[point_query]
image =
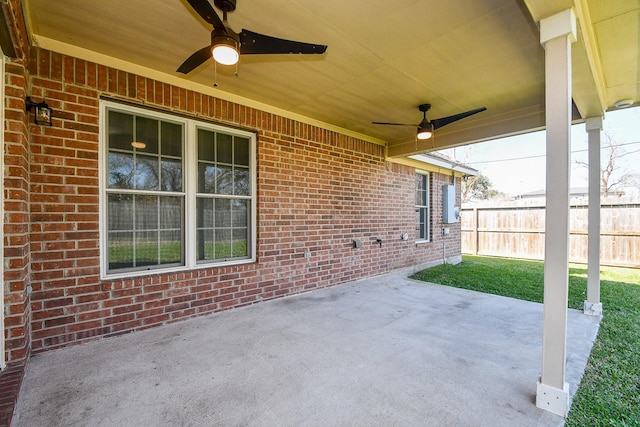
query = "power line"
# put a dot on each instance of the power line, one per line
(544, 155)
(506, 160)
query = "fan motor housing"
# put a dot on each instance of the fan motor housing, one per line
(225, 5)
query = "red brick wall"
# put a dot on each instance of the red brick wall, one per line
(317, 190)
(16, 215)
(16, 194)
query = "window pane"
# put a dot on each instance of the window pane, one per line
(423, 223)
(120, 131)
(241, 151)
(147, 132)
(120, 170)
(171, 175)
(171, 139)
(224, 180)
(420, 190)
(170, 247)
(239, 218)
(146, 208)
(145, 244)
(204, 245)
(170, 213)
(241, 182)
(239, 244)
(205, 213)
(205, 234)
(120, 215)
(224, 144)
(207, 178)
(146, 248)
(222, 248)
(120, 250)
(223, 213)
(206, 146)
(147, 173)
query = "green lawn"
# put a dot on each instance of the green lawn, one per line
(151, 253)
(609, 394)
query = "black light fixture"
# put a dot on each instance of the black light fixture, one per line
(425, 130)
(41, 111)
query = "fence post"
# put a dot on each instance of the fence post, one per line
(476, 240)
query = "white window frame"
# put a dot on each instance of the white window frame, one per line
(190, 168)
(427, 178)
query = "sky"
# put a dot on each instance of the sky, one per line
(516, 165)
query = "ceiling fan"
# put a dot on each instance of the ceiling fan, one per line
(227, 45)
(426, 127)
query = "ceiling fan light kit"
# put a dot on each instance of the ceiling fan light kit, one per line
(424, 132)
(227, 45)
(225, 50)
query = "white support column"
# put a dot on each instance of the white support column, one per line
(557, 32)
(593, 306)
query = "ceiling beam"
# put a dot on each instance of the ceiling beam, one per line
(588, 47)
(588, 82)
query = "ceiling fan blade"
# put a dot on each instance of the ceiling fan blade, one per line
(392, 124)
(254, 43)
(195, 60)
(207, 12)
(443, 121)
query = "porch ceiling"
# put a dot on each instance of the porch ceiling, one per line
(384, 58)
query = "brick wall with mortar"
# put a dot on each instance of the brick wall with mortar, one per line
(317, 190)
(16, 215)
(16, 181)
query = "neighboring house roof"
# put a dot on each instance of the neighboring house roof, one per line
(442, 161)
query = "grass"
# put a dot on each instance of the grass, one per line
(609, 394)
(171, 252)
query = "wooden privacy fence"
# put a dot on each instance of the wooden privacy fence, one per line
(518, 232)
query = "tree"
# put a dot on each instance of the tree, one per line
(613, 177)
(477, 187)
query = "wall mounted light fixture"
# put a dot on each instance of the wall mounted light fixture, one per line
(41, 111)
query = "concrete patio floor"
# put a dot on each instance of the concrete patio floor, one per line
(386, 351)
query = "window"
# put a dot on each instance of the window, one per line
(223, 201)
(422, 207)
(177, 193)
